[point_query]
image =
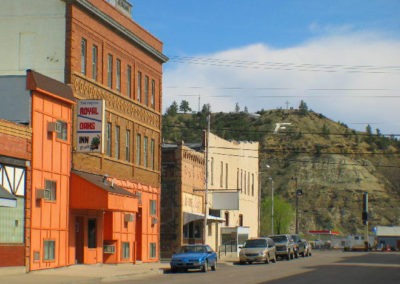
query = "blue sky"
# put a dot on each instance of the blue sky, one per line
(342, 57)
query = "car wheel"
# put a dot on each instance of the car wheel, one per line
(205, 266)
(174, 270)
(250, 262)
(242, 262)
(214, 267)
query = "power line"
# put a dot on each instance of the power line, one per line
(287, 132)
(285, 66)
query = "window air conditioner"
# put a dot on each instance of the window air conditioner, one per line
(154, 220)
(54, 127)
(109, 249)
(42, 194)
(128, 217)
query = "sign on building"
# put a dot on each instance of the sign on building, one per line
(90, 126)
(225, 200)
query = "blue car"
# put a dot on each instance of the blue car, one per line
(194, 257)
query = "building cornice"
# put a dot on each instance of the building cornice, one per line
(121, 29)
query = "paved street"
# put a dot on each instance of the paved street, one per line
(323, 267)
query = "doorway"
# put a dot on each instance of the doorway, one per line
(79, 239)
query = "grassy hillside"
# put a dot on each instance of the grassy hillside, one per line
(330, 162)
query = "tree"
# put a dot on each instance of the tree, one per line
(237, 107)
(206, 109)
(369, 130)
(303, 107)
(325, 131)
(173, 109)
(184, 107)
(283, 216)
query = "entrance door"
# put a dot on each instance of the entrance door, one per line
(139, 235)
(79, 239)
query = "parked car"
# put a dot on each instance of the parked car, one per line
(258, 250)
(194, 257)
(308, 248)
(284, 246)
(299, 246)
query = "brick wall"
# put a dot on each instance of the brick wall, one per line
(12, 255)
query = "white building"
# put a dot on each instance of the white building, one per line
(233, 184)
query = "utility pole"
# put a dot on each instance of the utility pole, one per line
(272, 205)
(206, 142)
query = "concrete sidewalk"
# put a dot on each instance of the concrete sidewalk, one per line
(95, 273)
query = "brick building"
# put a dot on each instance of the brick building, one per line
(115, 65)
(183, 183)
(15, 157)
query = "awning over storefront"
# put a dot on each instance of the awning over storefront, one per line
(190, 217)
(91, 191)
(7, 199)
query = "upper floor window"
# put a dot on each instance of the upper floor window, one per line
(109, 71)
(153, 207)
(153, 93)
(83, 56)
(221, 176)
(212, 171)
(226, 175)
(252, 184)
(117, 142)
(95, 56)
(62, 130)
(108, 139)
(139, 86)
(146, 90)
(146, 151)
(129, 81)
(51, 189)
(152, 154)
(128, 146)
(118, 75)
(138, 148)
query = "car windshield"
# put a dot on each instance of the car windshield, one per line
(190, 249)
(279, 239)
(255, 243)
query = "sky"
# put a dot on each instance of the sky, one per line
(341, 57)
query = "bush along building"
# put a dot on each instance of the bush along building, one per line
(111, 163)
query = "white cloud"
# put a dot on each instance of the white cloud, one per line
(348, 78)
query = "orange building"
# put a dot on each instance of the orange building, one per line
(40, 186)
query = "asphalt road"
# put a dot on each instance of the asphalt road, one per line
(323, 267)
